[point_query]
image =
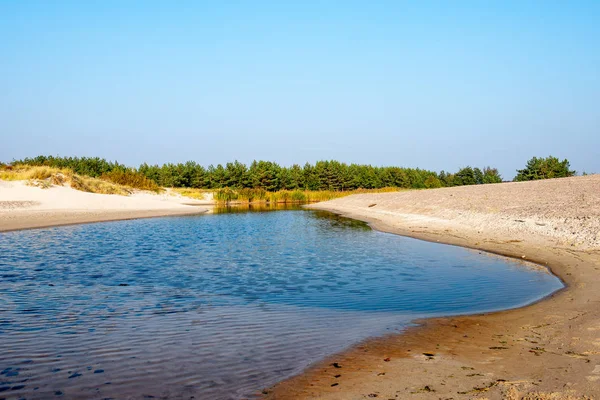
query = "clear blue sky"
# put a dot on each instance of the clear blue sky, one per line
(431, 84)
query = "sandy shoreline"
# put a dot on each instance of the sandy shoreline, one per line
(26, 207)
(46, 219)
(551, 347)
(548, 350)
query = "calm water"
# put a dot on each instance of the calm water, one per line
(220, 306)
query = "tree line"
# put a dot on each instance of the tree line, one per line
(270, 176)
(323, 175)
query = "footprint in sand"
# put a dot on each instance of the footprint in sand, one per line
(596, 376)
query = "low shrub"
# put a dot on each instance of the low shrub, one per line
(130, 178)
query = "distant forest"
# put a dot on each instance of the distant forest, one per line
(266, 175)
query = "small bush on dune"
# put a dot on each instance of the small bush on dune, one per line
(130, 178)
(60, 179)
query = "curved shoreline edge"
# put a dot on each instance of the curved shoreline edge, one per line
(373, 225)
(549, 349)
(47, 219)
(546, 350)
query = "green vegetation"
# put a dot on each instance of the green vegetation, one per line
(268, 176)
(96, 185)
(262, 181)
(227, 195)
(86, 166)
(471, 176)
(45, 177)
(130, 178)
(544, 168)
(93, 167)
(26, 172)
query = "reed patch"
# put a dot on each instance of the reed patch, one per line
(229, 195)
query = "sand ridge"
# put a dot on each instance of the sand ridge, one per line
(548, 350)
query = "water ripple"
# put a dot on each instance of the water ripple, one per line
(220, 306)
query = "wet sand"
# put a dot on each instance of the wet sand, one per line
(548, 350)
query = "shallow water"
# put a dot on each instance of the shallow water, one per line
(220, 306)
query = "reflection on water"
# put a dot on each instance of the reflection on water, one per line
(220, 306)
(255, 207)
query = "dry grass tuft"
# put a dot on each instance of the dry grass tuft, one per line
(24, 172)
(95, 185)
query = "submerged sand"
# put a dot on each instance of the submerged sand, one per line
(548, 350)
(26, 207)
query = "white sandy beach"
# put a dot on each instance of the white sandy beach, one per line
(23, 206)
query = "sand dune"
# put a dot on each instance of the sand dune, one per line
(23, 207)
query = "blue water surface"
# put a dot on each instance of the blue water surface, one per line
(219, 306)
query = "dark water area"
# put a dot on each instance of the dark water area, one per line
(220, 306)
(256, 207)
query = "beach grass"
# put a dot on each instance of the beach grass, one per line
(24, 172)
(45, 177)
(96, 185)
